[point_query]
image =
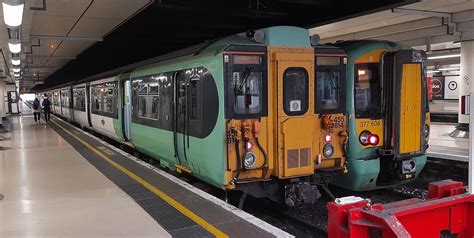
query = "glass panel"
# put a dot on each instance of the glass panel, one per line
(327, 89)
(367, 90)
(247, 59)
(65, 99)
(247, 86)
(295, 91)
(149, 100)
(328, 60)
(79, 99)
(109, 100)
(194, 98)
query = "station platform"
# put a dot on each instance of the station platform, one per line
(442, 146)
(444, 111)
(59, 181)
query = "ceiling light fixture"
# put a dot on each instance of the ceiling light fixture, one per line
(444, 56)
(432, 71)
(13, 12)
(16, 70)
(16, 74)
(15, 47)
(16, 61)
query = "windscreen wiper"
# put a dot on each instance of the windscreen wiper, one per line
(243, 78)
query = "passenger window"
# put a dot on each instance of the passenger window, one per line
(295, 91)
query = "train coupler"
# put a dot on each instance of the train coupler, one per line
(301, 193)
(449, 210)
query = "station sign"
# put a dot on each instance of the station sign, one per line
(451, 87)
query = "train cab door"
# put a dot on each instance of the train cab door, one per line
(295, 113)
(404, 87)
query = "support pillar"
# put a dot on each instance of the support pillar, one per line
(467, 73)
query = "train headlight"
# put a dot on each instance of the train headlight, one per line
(367, 138)
(328, 150)
(328, 138)
(250, 159)
(364, 137)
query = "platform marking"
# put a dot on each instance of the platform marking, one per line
(226, 206)
(178, 206)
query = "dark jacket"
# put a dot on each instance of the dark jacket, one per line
(46, 104)
(36, 104)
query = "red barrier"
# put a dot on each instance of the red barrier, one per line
(449, 210)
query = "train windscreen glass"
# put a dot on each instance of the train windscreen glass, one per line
(248, 91)
(247, 84)
(367, 91)
(329, 80)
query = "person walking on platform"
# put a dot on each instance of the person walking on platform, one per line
(46, 108)
(37, 111)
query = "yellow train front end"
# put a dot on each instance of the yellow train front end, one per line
(299, 145)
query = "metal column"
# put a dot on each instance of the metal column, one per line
(467, 73)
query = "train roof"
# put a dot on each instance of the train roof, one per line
(277, 35)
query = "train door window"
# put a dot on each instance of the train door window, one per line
(56, 99)
(149, 100)
(329, 84)
(295, 91)
(367, 91)
(195, 93)
(65, 99)
(109, 99)
(97, 99)
(79, 99)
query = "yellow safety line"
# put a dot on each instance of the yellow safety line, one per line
(191, 215)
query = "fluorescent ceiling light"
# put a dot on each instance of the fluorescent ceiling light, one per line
(16, 70)
(432, 71)
(16, 74)
(13, 14)
(444, 56)
(15, 48)
(16, 61)
(448, 69)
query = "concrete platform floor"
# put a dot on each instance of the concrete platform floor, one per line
(50, 190)
(445, 147)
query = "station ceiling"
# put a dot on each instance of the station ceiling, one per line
(432, 25)
(80, 38)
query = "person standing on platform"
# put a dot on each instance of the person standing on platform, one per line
(37, 111)
(46, 108)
